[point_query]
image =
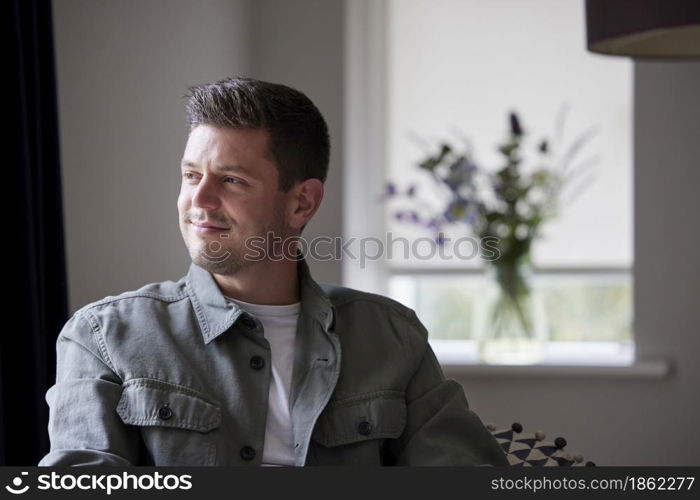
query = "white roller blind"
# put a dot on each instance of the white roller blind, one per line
(462, 65)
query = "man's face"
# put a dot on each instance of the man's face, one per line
(228, 181)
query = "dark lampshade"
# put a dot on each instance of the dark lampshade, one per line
(644, 28)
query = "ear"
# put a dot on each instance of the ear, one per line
(304, 199)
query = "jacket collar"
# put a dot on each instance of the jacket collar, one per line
(216, 314)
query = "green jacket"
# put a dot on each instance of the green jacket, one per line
(163, 376)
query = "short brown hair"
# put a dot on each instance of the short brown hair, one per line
(299, 140)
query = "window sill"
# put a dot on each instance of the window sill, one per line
(561, 359)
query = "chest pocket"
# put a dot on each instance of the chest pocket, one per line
(361, 418)
(177, 423)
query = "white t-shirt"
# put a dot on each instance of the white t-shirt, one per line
(280, 324)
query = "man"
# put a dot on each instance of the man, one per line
(246, 360)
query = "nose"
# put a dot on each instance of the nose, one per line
(205, 194)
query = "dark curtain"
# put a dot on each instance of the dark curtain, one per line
(36, 292)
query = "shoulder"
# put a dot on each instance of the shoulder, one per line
(149, 297)
(372, 310)
(121, 326)
(344, 297)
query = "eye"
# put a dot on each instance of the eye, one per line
(231, 180)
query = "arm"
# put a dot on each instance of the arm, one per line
(441, 429)
(84, 427)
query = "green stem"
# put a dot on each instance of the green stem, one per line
(515, 293)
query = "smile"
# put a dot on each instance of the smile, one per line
(206, 229)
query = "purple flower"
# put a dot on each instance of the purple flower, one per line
(432, 224)
(411, 190)
(460, 174)
(515, 127)
(389, 189)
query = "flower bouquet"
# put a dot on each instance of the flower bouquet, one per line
(507, 206)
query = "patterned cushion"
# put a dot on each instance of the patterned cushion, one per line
(531, 450)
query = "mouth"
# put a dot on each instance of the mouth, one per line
(208, 226)
(202, 228)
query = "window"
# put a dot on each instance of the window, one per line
(441, 69)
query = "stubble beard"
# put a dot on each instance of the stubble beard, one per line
(218, 257)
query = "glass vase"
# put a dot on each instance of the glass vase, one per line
(514, 329)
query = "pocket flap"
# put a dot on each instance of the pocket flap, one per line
(153, 402)
(360, 418)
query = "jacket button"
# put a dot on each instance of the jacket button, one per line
(247, 322)
(164, 412)
(257, 362)
(364, 428)
(247, 453)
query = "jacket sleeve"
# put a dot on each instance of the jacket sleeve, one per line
(441, 429)
(84, 427)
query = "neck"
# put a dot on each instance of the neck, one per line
(268, 283)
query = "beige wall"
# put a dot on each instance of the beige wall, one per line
(123, 67)
(300, 43)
